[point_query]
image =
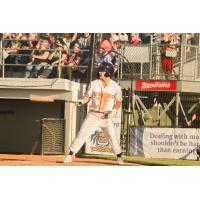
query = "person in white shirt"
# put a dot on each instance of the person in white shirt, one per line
(105, 96)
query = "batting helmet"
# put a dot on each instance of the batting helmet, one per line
(106, 67)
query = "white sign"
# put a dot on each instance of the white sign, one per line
(99, 142)
(176, 143)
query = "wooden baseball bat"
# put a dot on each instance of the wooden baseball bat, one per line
(35, 98)
(47, 99)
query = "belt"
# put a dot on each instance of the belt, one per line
(104, 115)
(95, 111)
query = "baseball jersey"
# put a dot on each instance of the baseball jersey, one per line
(103, 98)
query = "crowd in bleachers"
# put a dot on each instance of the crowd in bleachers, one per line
(45, 55)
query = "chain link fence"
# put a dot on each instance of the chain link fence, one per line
(160, 62)
(162, 109)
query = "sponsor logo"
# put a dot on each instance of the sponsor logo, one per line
(156, 85)
(100, 139)
(102, 149)
(100, 142)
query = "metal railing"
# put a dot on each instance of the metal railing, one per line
(142, 61)
(146, 62)
(14, 64)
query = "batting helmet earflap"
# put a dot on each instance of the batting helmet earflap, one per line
(106, 67)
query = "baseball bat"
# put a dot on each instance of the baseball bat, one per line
(35, 98)
(47, 99)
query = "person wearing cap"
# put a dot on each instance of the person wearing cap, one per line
(105, 97)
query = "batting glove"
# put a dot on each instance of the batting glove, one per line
(79, 102)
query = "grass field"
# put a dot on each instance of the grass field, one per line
(148, 161)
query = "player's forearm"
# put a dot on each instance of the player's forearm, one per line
(85, 99)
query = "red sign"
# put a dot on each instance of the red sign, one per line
(155, 85)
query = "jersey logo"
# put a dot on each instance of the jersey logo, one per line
(104, 98)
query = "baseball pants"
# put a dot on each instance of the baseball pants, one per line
(89, 126)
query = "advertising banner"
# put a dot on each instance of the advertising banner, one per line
(175, 143)
(99, 142)
(155, 85)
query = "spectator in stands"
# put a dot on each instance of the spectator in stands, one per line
(68, 40)
(176, 39)
(123, 37)
(98, 39)
(192, 39)
(50, 39)
(114, 37)
(33, 36)
(195, 39)
(39, 60)
(84, 44)
(117, 45)
(12, 46)
(55, 59)
(33, 40)
(106, 43)
(106, 54)
(134, 39)
(6, 39)
(145, 38)
(11, 50)
(84, 41)
(157, 37)
(58, 40)
(72, 61)
(23, 52)
(104, 48)
(167, 60)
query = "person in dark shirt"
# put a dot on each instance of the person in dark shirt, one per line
(84, 45)
(39, 60)
(72, 61)
(55, 59)
(23, 51)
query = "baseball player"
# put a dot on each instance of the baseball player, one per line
(105, 96)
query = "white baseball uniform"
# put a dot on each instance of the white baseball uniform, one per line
(102, 99)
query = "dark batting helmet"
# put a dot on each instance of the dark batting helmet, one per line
(106, 67)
